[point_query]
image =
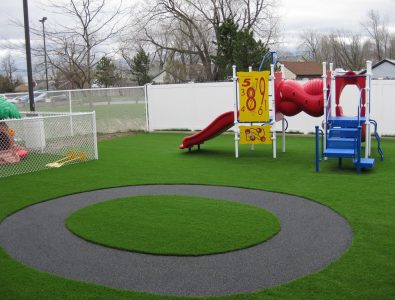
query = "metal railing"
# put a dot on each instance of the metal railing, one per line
(38, 140)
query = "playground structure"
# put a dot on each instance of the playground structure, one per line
(264, 98)
(258, 108)
(255, 105)
(342, 136)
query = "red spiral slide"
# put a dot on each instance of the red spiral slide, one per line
(291, 99)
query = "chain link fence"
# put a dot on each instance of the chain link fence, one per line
(117, 109)
(46, 140)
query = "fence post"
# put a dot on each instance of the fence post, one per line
(71, 115)
(95, 134)
(146, 108)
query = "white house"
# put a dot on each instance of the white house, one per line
(301, 70)
(384, 69)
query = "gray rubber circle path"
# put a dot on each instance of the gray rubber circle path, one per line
(311, 237)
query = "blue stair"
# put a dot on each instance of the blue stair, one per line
(353, 122)
(339, 142)
(343, 132)
(342, 152)
(366, 163)
(344, 141)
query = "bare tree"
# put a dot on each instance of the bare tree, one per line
(345, 49)
(392, 47)
(378, 32)
(311, 42)
(191, 26)
(348, 50)
(73, 47)
(70, 60)
(8, 67)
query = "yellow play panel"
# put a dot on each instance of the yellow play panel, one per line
(254, 135)
(254, 96)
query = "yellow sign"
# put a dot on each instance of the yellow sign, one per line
(255, 134)
(254, 96)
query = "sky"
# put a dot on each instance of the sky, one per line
(330, 15)
(296, 16)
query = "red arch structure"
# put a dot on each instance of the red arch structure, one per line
(350, 78)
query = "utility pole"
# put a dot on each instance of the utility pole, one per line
(28, 55)
(45, 51)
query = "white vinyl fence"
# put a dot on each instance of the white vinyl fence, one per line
(193, 106)
(190, 106)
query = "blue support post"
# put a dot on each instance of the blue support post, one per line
(317, 150)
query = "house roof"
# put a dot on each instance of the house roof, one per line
(303, 68)
(391, 61)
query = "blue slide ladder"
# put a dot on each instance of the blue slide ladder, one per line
(344, 139)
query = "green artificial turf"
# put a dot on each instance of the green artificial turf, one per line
(365, 271)
(173, 225)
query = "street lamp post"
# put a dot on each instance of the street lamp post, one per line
(45, 51)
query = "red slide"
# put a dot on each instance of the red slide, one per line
(216, 127)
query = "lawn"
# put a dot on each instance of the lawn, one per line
(176, 225)
(366, 271)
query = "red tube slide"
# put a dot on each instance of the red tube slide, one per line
(293, 97)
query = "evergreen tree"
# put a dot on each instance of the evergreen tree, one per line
(247, 51)
(140, 66)
(227, 33)
(106, 72)
(236, 47)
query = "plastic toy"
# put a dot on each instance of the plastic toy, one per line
(71, 156)
(10, 152)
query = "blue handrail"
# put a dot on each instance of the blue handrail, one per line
(360, 105)
(273, 59)
(377, 136)
(318, 157)
(317, 150)
(328, 115)
(328, 108)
